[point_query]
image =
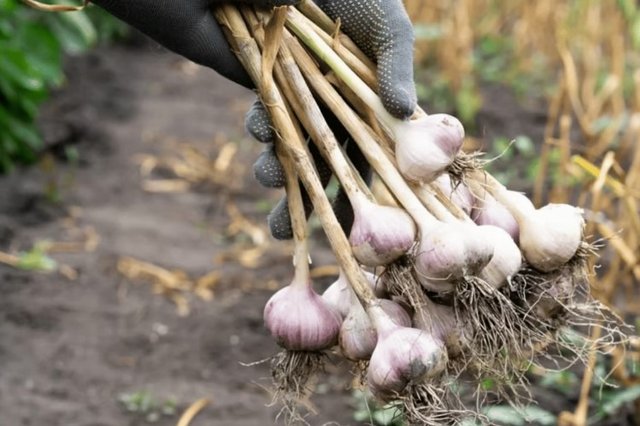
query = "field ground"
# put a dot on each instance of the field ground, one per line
(70, 348)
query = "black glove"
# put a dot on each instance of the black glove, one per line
(188, 28)
(382, 29)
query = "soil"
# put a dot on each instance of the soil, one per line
(70, 348)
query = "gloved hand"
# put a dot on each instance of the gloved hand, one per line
(188, 28)
(383, 30)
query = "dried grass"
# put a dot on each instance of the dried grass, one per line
(593, 127)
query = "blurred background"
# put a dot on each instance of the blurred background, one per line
(134, 256)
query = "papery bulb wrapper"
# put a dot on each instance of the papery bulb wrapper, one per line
(358, 336)
(404, 355)
(380, 234)
(458, 194)
(340, 295)
(490, 212)
(506, 260)
(551, 236)
(299, 319)
(441, 322)
(427, 146)
(449, 252)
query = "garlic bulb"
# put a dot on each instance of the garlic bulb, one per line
(358, 337)
(427, 146)
(452, 251)
(440, 321)
(299, 319)
(506, 260)
(380, 234)
(551, 236)
(340, 296)
(402, 356)
(458, 194)
(490, 212)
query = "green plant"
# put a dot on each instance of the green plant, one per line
(36, 259)
(32, 44)
(368, 410)
(144, 404)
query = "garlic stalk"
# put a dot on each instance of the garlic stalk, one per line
(419, 159)
(248, 52)
(380, 234)
(473, 256)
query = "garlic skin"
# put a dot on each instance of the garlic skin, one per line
(441, 286)
(551, 236)
(490, 212)
(427, 146)
(340, 296)
(552, 302)
(380, 234)
(458, 194)
(402, 356)
(507, 259)
(299, 319)
(448, 252)
(358, 337)
(440, 321)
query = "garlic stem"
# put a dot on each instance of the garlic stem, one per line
(433, 204)
(306, 33)
(353, 57)
(482, 181)
(375, 245)
(361, 133)
(295, 90)
(250, 56)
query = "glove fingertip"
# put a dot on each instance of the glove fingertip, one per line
(258, 124)
(279, 221)
(399, 98)
(268, 170)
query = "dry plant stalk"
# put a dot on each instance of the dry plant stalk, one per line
(250, 56)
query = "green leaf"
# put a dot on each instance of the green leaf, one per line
(509, 416)
(37, 260)
(14, 66)
(74, 30)
(43, 52)
(24, 132)
(614, 401)
(387, 416)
